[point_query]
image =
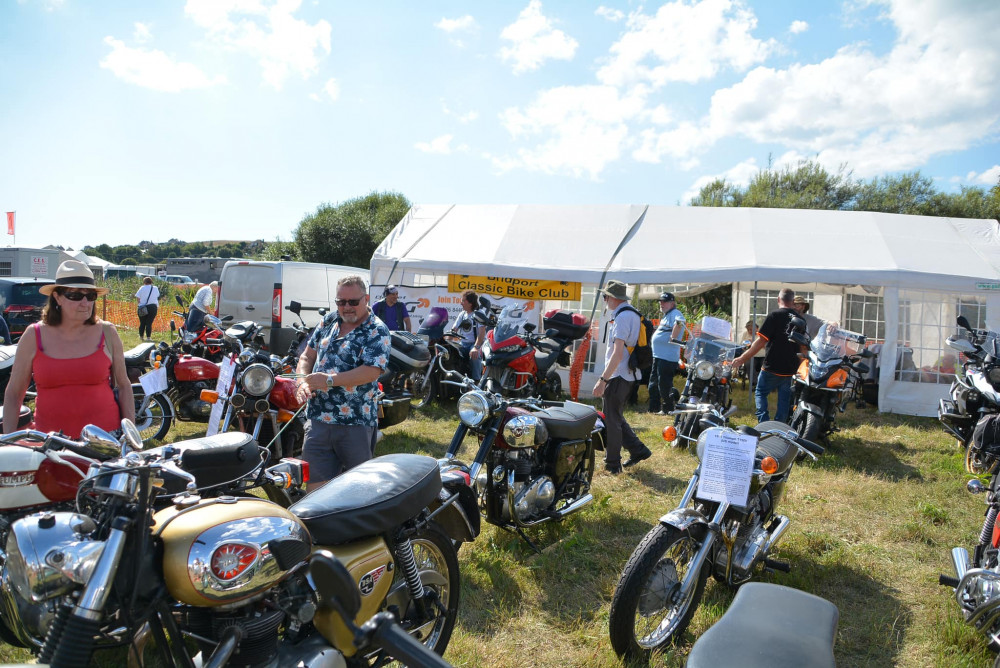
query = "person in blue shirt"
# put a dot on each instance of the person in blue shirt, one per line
(666, 355)
(391, 311)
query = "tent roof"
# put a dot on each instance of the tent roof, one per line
(664, 244)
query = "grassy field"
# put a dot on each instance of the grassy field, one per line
(872, 523)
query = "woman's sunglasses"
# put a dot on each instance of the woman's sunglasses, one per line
(345, 302)
(76, 295)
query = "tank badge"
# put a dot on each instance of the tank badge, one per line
(370, 579)
(17, 479)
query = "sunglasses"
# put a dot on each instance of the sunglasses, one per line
(75, 295)
(345, 302)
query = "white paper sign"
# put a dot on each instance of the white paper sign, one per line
(727, 466)
(39, 265)
(154, 381)
(226, 369)
(716, 327)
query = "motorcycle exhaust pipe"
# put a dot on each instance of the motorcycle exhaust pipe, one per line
(575, 506)
(779, 531)
(960, 560)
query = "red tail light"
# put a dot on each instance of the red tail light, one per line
(276, 308)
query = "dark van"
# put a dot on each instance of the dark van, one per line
(20, 302)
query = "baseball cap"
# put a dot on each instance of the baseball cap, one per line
(667, 297)
(391, 290)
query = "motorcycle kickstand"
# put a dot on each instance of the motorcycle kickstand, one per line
(520, 532)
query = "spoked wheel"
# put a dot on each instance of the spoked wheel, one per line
(437, 564)
(153, 421)
(647, 613)
(423, 387)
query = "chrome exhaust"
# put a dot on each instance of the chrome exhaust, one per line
(575, 506)
(960, 560)
(779, 531)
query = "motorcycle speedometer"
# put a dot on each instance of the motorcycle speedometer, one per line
(704, 370)
(473, 408)
(257, 379)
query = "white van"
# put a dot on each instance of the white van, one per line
(259, 291)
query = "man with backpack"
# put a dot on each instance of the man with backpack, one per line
(617, 378)
(666, 355)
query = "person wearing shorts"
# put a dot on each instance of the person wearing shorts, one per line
(340, 367)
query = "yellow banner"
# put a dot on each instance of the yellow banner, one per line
(516, 288)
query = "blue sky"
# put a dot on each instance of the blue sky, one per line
(231, 119)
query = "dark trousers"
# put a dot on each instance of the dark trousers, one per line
(661, 385)
(620, 434)
(146, 322)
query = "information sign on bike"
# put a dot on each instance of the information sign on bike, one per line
(726, 467)
(226, 369)
(154, 381)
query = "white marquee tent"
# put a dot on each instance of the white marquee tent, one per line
(921, 271)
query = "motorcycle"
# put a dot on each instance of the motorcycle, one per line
(535, 459)
(407, 372)
(770, 625)
(709, 377)
(208, 342)
(974, 393)
(432, 331)
(230, 573)
(520, 363)
(712, 531)
(827, 379)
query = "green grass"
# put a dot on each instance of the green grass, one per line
(872, 524)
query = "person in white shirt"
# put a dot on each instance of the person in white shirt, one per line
(149, 297)
(201, 306)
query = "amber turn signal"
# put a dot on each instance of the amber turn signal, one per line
(769, 465)
(669, 434)
(209, 396)
(285, 416)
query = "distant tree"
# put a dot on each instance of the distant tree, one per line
(102, 251)
(903, 193)
(277, 249)
(806, 186)
(348, 233)
(718, 193)
(128, 261)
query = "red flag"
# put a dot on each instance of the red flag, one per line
(10, 222)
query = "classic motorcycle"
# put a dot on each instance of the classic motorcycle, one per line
(709, 377)
(827, 379)
(407, 372)
(711, 531)
(535, 459)
(208, 342)
(432, 331)
(974, 393)
(520, 363)
(230, 573)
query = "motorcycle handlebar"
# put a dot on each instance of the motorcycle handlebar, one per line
(386, 633)
(53, 441)
(810, 446)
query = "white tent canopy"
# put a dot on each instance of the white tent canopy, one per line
(643, 244)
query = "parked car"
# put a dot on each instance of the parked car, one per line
(258, 291)
(20, 302)
(178, 279)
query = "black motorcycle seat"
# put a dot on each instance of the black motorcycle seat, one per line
(568, 421)
(370, 499)
(213, 460)
(782, 451)
(546, 360)
(770, 626)
(139, 355)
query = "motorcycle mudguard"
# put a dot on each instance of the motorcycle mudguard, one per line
(683, 519)
(807, 407)
(459, 519)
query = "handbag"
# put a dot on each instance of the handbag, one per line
(143, 310)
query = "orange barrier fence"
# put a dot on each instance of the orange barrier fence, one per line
(123, 315)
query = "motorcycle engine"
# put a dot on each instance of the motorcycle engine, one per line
(533, 497)
(194, 407)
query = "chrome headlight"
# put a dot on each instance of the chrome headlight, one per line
(246, 357)
(519, 432)
(257, 379)
(473, 408)
(189, 337)
(48, 553)
(704, 370)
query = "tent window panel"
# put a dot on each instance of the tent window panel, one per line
(866, 314)
(925, 321)
(767, 301)
(426, 280)
(974, 310)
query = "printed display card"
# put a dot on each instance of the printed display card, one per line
(226, 369)
(727, 466)
(154, 381)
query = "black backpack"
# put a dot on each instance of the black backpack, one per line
(640, 356)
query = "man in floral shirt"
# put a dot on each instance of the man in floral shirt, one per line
(341, 364)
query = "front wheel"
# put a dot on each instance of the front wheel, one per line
(153, 421)
(423, 387)
(811, 426)
(647, 613)
(553, 386)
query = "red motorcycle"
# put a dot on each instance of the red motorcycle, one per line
(209, 341)
(520, 363)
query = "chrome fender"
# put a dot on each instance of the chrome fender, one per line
(683, 519)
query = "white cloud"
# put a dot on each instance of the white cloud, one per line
(439, 145)
(685, 42)
(613, 15)
(141, 33)
(798, 27)
(464, 24)
(332, 89)
(467, 117)
(738, 175)
(154, 69)
(268, 31)
(534, 40)
(990, 177)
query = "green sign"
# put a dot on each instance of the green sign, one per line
(987, 286)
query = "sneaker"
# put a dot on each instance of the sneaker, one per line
(662, 413)
(645, 454)
(612, 469)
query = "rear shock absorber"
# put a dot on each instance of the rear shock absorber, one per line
(404, 553)
(986, 535)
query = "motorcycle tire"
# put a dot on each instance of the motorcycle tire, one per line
(685, 429)
(423, 387)
(154, 422)
(642, 620)
(553, 386)
(437, 563)
(811, 427)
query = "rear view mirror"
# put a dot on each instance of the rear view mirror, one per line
(963, 322)
(528, 327)
(799, 338)
(173, 326)
(866, 353)
(294, 307)
(179, 300)
(333, 582)
(323, 311)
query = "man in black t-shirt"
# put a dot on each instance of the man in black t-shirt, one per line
(780, 358)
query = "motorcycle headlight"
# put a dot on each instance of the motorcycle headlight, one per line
(47, 553)
(473, 408)
(257, 379)
(189, 337)
(704, 370)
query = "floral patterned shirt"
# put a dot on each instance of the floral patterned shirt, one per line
(368, 344)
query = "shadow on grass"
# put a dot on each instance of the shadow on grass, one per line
(658, 482)
(866, 456)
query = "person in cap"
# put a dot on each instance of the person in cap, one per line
(75, 360)
(812, 322)
(201, 305)
(615, 381)
(666, 346)
(391, 311)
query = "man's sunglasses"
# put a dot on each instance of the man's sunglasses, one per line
(345, 302)
(75, 295)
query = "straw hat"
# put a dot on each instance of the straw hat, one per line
(73, 274)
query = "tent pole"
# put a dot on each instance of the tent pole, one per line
(753, 380)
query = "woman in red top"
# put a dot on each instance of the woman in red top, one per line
(75, 359)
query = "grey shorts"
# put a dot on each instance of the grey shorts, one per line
(331, 449)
